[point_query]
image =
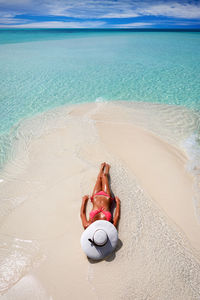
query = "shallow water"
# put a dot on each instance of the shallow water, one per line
(39, 71)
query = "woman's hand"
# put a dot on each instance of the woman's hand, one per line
(117, 200)
(85, 198)
(83, 211)
(84, 202)
(117, 212)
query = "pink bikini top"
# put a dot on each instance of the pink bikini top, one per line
(93, 213)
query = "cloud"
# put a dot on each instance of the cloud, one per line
(122, 9)
(177, 10)
(10, 20)
(134, 25)
(58, 24)
(14, 2)
(124, 15)
(103, 10)
(160, 23)
(187, 23)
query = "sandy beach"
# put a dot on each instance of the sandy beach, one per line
(56, 162)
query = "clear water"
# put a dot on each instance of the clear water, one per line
(45, 69)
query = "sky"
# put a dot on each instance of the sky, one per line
(99, 14)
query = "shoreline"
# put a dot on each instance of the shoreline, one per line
(61, 165)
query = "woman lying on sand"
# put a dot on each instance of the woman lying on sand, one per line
(101, 200)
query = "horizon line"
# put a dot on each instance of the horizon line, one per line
(97, 28)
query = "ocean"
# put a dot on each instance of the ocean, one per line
(43, 69)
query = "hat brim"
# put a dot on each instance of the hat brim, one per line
(95, 252)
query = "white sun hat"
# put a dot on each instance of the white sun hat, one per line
(99, 239)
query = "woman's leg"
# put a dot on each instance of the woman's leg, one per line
(98, 185)
(105, 181)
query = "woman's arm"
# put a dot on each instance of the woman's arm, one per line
(83, 212)
(117, 212)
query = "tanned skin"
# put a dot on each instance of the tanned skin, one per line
(102, 184)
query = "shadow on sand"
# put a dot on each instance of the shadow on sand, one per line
(110, 257)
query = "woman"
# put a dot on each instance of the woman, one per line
(101, 200)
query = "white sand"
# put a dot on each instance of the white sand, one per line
(160, 169)
(159, 258)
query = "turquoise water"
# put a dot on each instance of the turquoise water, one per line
(43, 69)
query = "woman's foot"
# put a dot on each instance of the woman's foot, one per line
(102, 166)
(101, 171)
(106, 169)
